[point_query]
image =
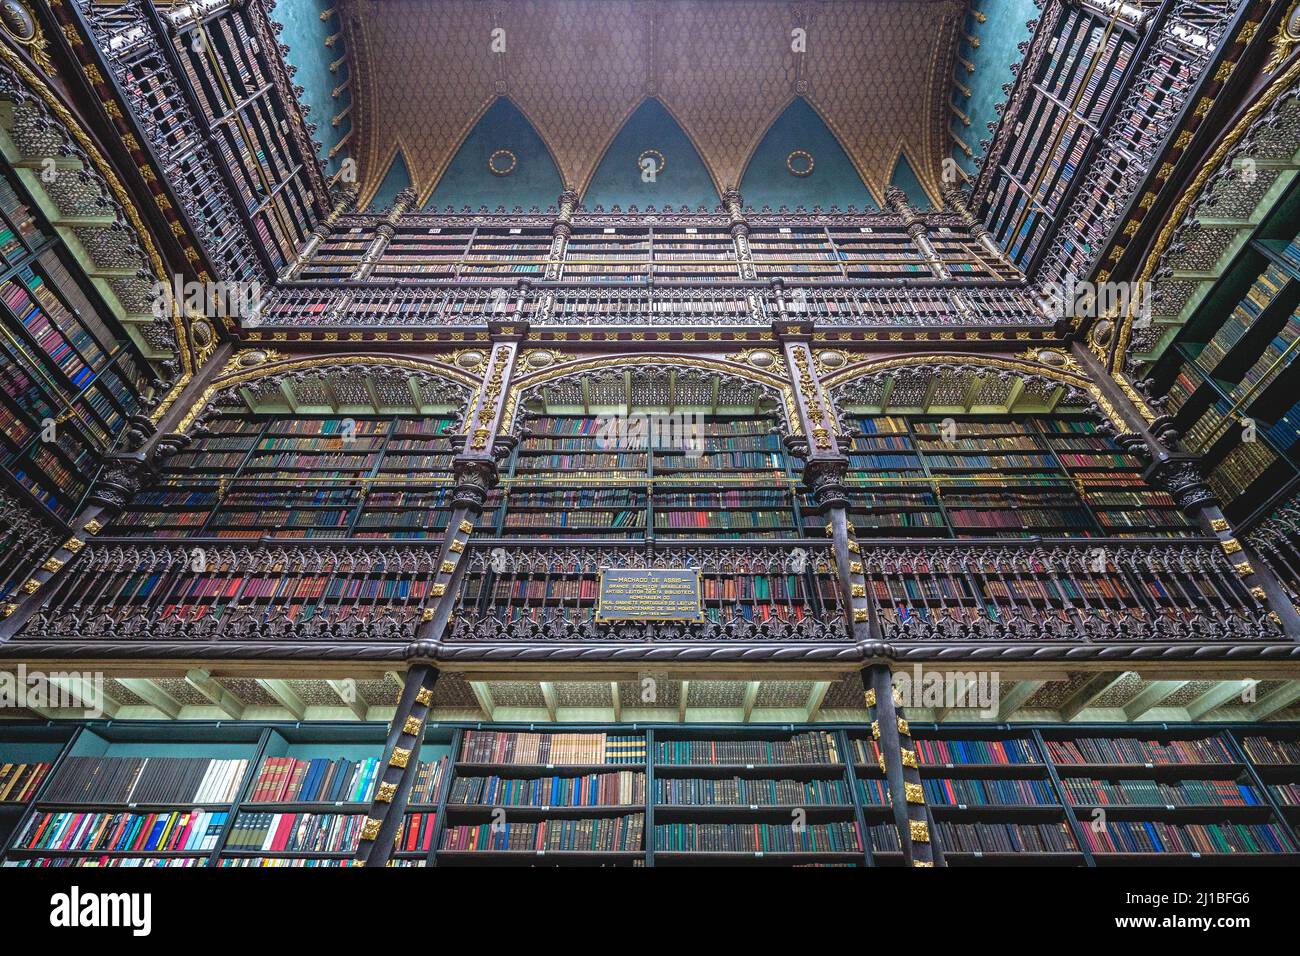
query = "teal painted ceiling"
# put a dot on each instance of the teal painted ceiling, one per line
(534, 181)
(834, 180)
(626, 178)
(305, 34)
(396, 179)
(905, 179)
(1003, 29)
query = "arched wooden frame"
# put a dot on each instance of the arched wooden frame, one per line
(777, 388)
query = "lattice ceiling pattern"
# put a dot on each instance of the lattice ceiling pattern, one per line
(426, 70)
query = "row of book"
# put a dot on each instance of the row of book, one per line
(1181, 793)
(20, 781)
(1271, 750)
(147, 780)
(503, 747)
(1119, 750)
(1118, 836)
(623, 788)
(743, 791)
(288, 780)
(296, 832)
(588, 835)
(980, 837)
(175, 831)
(811, 747)
(795, 837)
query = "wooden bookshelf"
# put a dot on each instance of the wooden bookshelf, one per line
(979, 779)
(68, 378)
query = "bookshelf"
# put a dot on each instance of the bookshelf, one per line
(1069, 96)
(999, 476)
(1230, 378)
(369, 477)
(573, 477)
(68, 379)
(668, 795)
(230, 78)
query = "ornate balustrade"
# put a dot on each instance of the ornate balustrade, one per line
(779, 592)
(1056, 590)
(224, 591)
(919, 304)
(537, 599)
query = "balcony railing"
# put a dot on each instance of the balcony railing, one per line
(758, 592)
(919, 304)
(783, 595)
(1062, 590)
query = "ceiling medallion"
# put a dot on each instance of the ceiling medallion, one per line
(651, 154)
(496, 162)
(800, 163)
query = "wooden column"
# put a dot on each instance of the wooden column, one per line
(898, 760)
(825, 468)
(897, 202)
(734, 204)
(476, 471)
(401, 762)
(386, 229)
(321, 231)
(1179, 473)
(956, 201)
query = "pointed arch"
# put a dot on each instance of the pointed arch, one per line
(765, 179)
(466, 180)
(999, 375)
(437, 381)
(660, 365)
(397, 178)
(616, 178)
(905, 178)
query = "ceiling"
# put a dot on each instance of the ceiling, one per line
(717, 87)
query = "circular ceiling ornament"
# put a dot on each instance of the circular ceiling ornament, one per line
(800, 163)
(502, 162)
(654, 155)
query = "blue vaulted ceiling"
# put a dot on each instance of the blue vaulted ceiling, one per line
(683, 181)
(998, 26)
(305, 33)
(396, 179)
(535, 181)
(833, 182)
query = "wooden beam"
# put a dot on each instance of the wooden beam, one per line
(751, 694)
(681, 700)
(209, 687)
(1280, 699)
(347, 691)
(617, 701)
(1216, 697)
(815, 698)
(153, 695)
(1150, 696)
(1090, 691)
(1017, 697)
(483, 694)
(285, 695)
(548, 695)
